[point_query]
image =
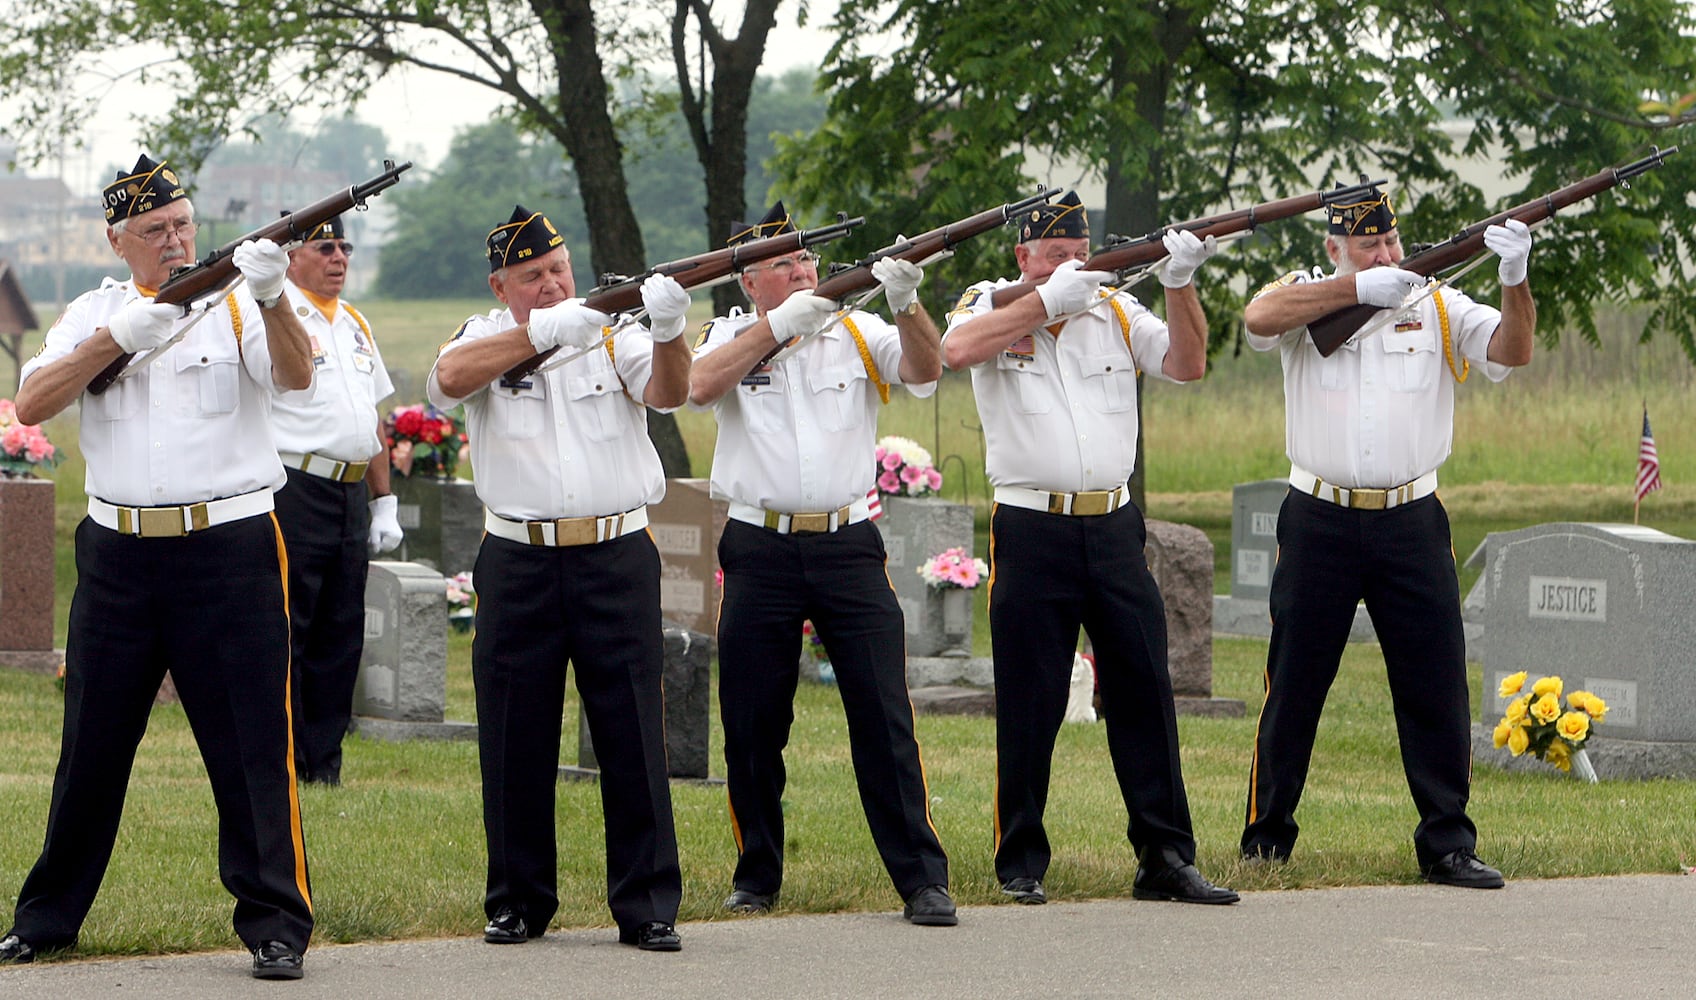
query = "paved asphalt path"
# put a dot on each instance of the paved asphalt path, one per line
(1586, 939)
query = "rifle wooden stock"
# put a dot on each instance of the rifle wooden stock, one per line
(858, 277)
(211, 273)
(1120, 255)
(703, 269)
(1332, 330)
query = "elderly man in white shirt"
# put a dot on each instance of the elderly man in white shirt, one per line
(179, 568)
(1055, 375)
(568, 571)
(1366, 428)
(795, 460)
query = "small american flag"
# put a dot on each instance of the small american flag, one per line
(876, 502)
(1648, 462)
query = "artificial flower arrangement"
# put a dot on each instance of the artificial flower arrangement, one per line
(953, 568)
(424, 440)
(1535, 723)
(904, 468)
(460, 597)
(24, 449)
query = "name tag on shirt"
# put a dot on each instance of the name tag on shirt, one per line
(758, 378)
(523, 383)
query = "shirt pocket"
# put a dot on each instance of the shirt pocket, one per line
(121, 400)
(1026, 376)
(1336, 371)
(1112, 381)
(839, 396)
(212, 385)
(523, 408)
(763, 405)
(598, 401)
(1411, 359)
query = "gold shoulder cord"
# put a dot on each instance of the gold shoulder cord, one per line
(1124, 329)
(351, 311)
(1448, 342)
(235, 319)
(866, 359)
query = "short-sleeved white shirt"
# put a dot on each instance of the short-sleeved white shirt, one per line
(340, 420)
(1059, 413)
(799, 436)
(1379, 412)
(570, 442)
(195, 424)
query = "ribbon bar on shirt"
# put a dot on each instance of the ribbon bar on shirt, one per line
(1361, 497)
(562, 531)
(1086, 503)
(325, 468)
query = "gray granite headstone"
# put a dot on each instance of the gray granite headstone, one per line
(1181, 558)
(442, 522)
(1610, 608)
(688, 722)
(914, 529)
(402, 688)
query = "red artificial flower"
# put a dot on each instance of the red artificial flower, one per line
(409, 422)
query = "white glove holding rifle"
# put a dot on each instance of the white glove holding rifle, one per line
(666, 302)
(1385, 287)
(143, 325)
(264, 265)
(569, 324)
(1070, 289)
(1511, 241)
(900, 280)
(1186, 251)
(799, 315)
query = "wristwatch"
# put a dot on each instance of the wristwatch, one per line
(911, 310)
(271, 302)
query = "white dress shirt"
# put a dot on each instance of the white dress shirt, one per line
(1379, 412)
(1060, 413)
(799, 436)
(571, 442)
(194, 425)
(340, 420)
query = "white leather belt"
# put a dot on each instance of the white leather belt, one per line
(174, 522)
(783, 524)
(566, 530)
(1360, 497)
(325, 468)
(1087, 503)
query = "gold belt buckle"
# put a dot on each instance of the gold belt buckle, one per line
(160, 522)
(574, 531)
(350, 472)
(1367, 499)
(1091, 502)
(809, 522)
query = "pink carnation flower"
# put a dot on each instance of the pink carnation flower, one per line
(911, 474)
(890, 461)
(40, 449)
(888, 482)
(933, 479)
(15, 440)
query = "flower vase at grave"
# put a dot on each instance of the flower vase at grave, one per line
(1582, 769)
(956, 620)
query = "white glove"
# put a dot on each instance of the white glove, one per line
(143, 325)
(666, 302)
(264, 264)
(385, 524)
(1511, 241)
(1070, 289)
(799, 315)
(569, 324)
(1187, 252)
(900, 280)
(1385, 287)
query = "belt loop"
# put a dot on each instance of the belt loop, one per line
(537, 536)
(198, 518)
(126, 521)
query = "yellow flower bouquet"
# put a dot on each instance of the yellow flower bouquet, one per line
(1536, 723)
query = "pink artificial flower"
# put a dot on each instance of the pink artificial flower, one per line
(890, 461)
(877, 453)
(889, 483)
(15, 440)
(8, 411)
(40, 449)
(933, 479)
(912, 474)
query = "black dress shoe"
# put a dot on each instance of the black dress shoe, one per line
(1463, 868)
(1164, 874)
(930, 907)
(15, 950)
(749, 901)
(507, 927)
(655, 935)
(1025, 890)
(276, 960)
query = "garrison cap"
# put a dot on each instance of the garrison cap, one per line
(527, 234)
(1369, 215)
(1064, 219)
(775, 223)
(145, 187)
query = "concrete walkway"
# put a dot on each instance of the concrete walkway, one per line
(1631, 936)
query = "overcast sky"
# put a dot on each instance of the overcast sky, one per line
(418, 110)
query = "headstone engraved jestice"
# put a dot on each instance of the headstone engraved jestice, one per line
(1609, 609)
(402, 688)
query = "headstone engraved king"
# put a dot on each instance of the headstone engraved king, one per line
(1608, 608)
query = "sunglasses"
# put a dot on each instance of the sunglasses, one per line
(328, 248)
(787, 264)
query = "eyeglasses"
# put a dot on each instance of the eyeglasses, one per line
(787, 264)
(155, 236)
(327, 248)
